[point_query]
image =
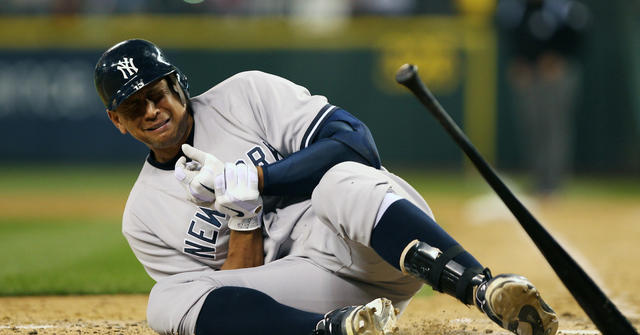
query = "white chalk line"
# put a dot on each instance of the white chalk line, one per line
(116, 324)
(463, 320)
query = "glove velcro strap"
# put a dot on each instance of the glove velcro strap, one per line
(440, 263)
(463, 284)
(239, 224)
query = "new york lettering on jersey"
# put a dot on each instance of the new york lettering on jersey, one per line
(202, 234)
(258, 157)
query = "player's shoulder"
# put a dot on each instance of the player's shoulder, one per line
(253, 74)
(251, 77)
(240, 85)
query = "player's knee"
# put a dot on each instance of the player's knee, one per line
(173, 301)
(346, 198)
(337, 180)
(160, 316)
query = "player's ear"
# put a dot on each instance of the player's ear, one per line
(115, 119)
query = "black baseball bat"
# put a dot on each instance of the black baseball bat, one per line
(604, 314)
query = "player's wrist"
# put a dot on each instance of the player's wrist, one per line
(260, 178)
(245, 250)
(244, 224)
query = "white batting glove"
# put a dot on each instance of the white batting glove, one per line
(199, 174)
(232, 189)
(237, 195)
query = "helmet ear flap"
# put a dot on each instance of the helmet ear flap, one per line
(177, 89)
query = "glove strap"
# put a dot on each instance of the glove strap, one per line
(240, 224)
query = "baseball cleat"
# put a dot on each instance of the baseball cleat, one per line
(515, 304)
(375, 318)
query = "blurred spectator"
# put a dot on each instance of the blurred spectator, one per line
(25, 6)
(66, 6)
(243, 7)
(392, 7)
(111, 6)
(545, 38)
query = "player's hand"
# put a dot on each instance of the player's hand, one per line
(237, 195)
(199, 174)
(231, 188)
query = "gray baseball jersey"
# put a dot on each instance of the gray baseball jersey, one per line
(319, 246)
(254, 117)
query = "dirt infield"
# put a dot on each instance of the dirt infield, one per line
(602, 236)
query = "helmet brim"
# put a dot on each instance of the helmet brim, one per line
(136, 83)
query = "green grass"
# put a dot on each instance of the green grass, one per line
(63, 256)
(67, 178)
(50, 254)
(46, 254)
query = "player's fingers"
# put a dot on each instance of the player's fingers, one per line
(180, 169)
(204, 158)
(242, 174)
(252, 177)
(230, 176)
(201, 193)
(215, 164)
(219, 185)
(206, 177)
(193, 153)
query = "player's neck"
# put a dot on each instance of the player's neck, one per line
(166, 154)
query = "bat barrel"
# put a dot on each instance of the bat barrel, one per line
(589, 296)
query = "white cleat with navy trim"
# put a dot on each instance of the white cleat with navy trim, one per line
(515, 304)
(375, 318)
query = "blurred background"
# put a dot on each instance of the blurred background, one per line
(547, 91)
(348, 50)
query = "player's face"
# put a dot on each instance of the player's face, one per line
(156, 117)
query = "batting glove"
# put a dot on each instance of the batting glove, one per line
(237, 195)
(231, 188)
(199, 174)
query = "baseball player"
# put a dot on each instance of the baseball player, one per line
(264, 209)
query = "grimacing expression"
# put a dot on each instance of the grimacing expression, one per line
(155, 115)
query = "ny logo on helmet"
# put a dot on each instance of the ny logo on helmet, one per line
(127, 67)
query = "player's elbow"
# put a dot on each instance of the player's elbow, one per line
(356, 139)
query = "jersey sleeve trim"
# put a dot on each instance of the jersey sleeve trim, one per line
(313, 128)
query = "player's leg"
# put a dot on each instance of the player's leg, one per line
(288, 296)
(509, 300)
(402, 232)
(242, 310)
(258, 313)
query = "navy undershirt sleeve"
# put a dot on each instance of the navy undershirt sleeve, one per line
(342, 137)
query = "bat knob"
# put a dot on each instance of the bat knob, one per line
(406, 73)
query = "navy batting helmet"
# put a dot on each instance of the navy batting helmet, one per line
(129, 66)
